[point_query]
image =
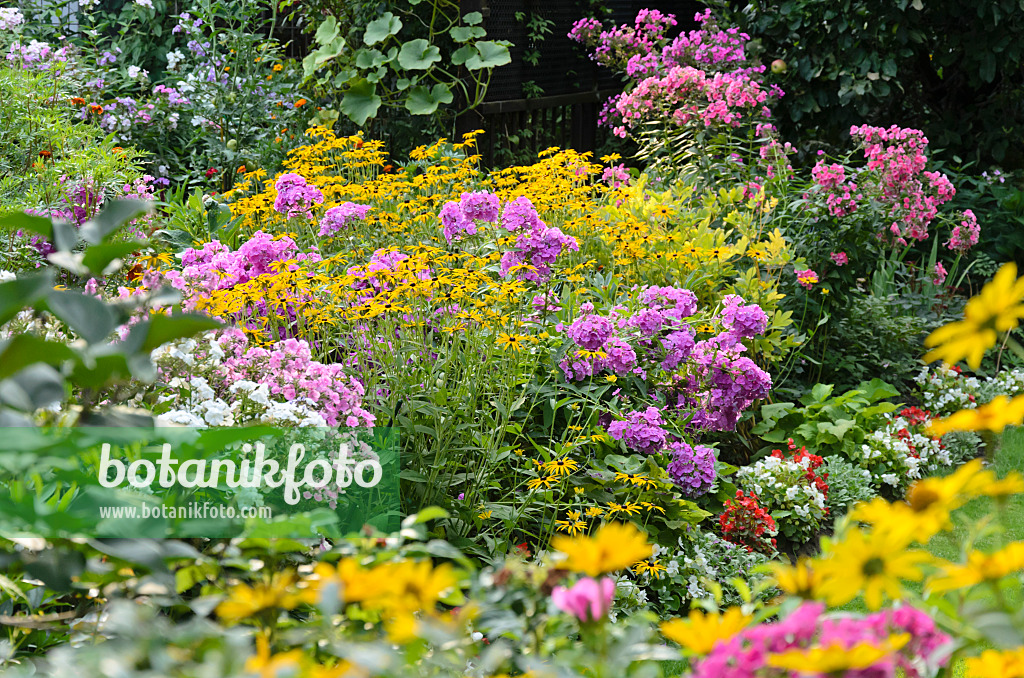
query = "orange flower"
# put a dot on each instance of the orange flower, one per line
(77, 101)
(300, 103)
(241, 169)
(117, 149)
(45, 154)
(96, 108)
(278, 67)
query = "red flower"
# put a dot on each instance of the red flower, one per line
(210, 172)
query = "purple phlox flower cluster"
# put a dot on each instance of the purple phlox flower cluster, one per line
(338, 218)
(480, 206)
(742, 321)
(455, 223)
(731, 384)
(81, 202)
(692, 468)
(620, 357)
(746, 654)
(641, 431)
(675, 303)
(538, 248)
(296, 197)
(839, 258)
(458, 218)
(678, 347)
(591, 332)
(520, 215)
(546, 303)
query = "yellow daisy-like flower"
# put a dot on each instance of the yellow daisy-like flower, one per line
(650, 566)
(994, 416)
(835, 658)
(594, 512)
(614, 547)
(636, 479)
(980, 567)
(573, 525)
(244, 601)
(872, 564)
(996, 664)
(701, 631)
(797, 580)
(998, 308)
(513, 342)
(542, 482)
(923, 519)
(560, 466)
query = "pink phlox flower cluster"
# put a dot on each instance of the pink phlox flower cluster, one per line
(216, 267)
(588, 599)
(338, 218)
(965, 235)
(911, 195)
(296, 197)
(288, 369)
(385, 266)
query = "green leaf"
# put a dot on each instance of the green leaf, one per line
(418, 55)
(98, 257)
(114, 216)
(89, 317)
(165, 328)
(473, 18)
(361, 102)
(381, 29)
(327, 31)
(818, 394)
(839, 428)
(423, 101)
(491, 55)
(28, 222)
(463, 54)
(466, 33)
(27, 349)
(22, 292)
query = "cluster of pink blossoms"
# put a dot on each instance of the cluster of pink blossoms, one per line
(685, 95)
(295, 196)
(747, 654)
(912, 195)
(216, 267)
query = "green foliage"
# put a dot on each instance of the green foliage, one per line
(872, 335)
(38, 371)
(43, 147)
(827, 424)
(388, 65)
(952, 69)
(848, 484)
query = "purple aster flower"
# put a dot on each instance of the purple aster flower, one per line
(641, 431)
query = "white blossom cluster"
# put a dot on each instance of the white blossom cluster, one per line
(782, 485)
(189, 400)
(944, 390)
